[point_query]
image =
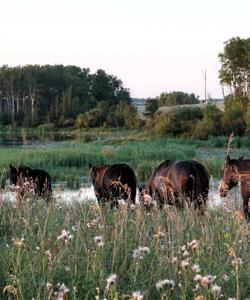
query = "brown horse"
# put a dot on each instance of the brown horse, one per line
(177, 183)
(236, 171)
(113, 182)
(39, 180)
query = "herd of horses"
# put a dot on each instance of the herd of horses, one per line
(181, 183)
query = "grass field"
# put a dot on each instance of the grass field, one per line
(69, 251)
(68, 161)
(80, 251)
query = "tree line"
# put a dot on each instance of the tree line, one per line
(202, 122)
(55, 94)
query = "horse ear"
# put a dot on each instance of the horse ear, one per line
(140, 189)
(13, 169)
(241, 157)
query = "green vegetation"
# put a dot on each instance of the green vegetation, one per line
(71, 250)
(68, 161)
(56, 95)
(177, 98)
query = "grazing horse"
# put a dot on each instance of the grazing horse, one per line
(39, 180)
(236, 171)
(177, 183)
(113, 182)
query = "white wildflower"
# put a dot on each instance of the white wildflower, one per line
(206, 280)
(99, 241)
(185, 263)
(174, 259)
(137, 296)
(185, 253)
(49, 286)
(225, 277)
(198, 278)
(194, 244)
(183, 248)
(65, 236)
(196, 268)
(166, 282)
(111, 280)
(215, 289)
(140, 252)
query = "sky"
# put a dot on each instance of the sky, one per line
(153, 46)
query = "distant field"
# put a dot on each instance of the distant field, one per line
(140, 105)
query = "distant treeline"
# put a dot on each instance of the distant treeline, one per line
(55, 94)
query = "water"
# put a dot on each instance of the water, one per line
(86, 194)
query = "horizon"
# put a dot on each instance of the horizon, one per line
(152, 47)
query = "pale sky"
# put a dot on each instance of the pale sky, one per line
(153, 46)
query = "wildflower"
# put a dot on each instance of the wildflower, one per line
(185, 263)
(215, 289)
(199, 297)
(198, 278)
(194, 244)
(237, 261)
(48, 254)
(166, 282)
(144, 250)
(185, 253)
(206, 280)
(174, 259)
(99, 241)
(137, 296)
(225, 277)
(63, 290)
(65, 236)
(111, 280)
(196, 268)
(18, 242)
(49, 286)
(159, 233)
(183, 248)
(140, 251)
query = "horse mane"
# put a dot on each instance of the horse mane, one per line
(242, 164)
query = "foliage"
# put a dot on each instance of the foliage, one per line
(233, 120)
(33, 94)
(151, 105)
(178, 122)
(211, 123)
(177, 98)
(235, 66)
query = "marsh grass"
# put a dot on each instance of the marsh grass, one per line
(44, 246)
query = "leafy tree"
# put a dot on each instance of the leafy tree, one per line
(151, 105)
(211, 123)
(178, 122)
(177, 98)
(235, 66)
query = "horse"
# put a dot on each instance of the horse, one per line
(236, 171)
(38, 180)
(113, 182)
(178, 183)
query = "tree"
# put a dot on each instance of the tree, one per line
(235, 66)
(151, 105)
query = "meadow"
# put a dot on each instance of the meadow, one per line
(81, 251)
(78, 250)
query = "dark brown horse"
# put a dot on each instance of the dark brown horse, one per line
(177, 183)
(39, 180)
(236, 171)
(113, 182)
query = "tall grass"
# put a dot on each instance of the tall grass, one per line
(68, 161)
(35, 258)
